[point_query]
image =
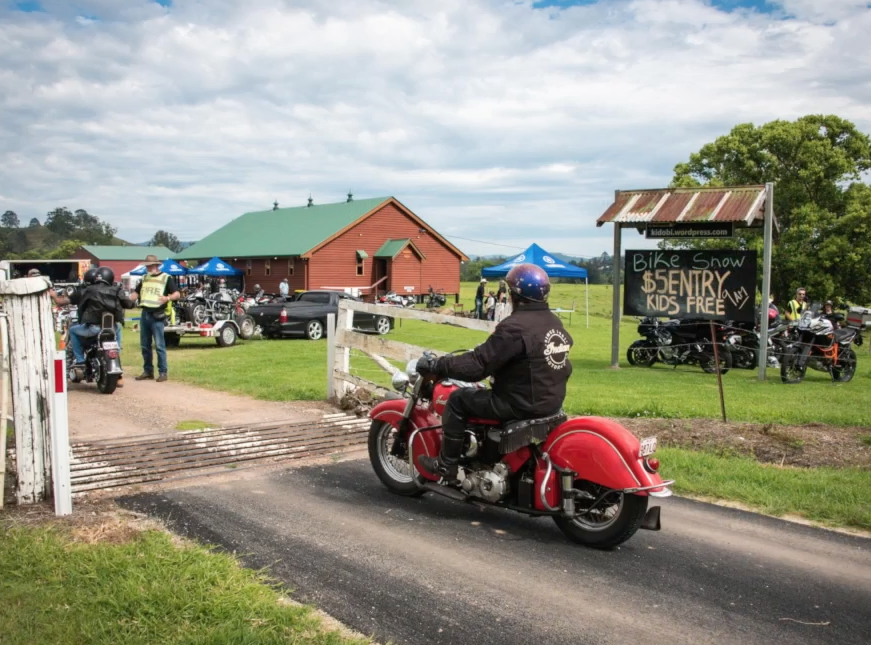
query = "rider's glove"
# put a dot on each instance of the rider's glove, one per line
(426, 364)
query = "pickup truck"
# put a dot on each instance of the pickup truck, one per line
(305, 314)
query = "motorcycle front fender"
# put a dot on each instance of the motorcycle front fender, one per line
(604, 452)
(427, 442)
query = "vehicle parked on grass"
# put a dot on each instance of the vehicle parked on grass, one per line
(102, 357)
(306, 315)
(435, 299)
(591, 475)
(204, 308)
(821, 347)
(677, 342)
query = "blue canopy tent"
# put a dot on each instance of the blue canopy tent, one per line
(552, 265)
(169, 266)
(216, 267)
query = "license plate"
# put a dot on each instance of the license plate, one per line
(648, 446)
(110, 345)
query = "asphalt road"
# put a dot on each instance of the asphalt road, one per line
(426, 571)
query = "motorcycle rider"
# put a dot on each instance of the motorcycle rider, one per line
(797, 305)
(99, 297)
(831, 315)
(258, 293)
(528, 358)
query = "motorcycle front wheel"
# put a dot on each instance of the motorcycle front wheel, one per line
(790, 372)
(743, 358)
(642, 353)
(614, 520)
(394, 471)
(845, 368)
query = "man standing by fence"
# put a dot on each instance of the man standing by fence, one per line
(479, 300)
(154, 292)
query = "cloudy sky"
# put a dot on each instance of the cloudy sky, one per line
(501, 121)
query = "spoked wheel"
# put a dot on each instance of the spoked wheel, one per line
(743, 358)
(641, 353)
(845, 368)
(790, 372)
(709, 364)
(602, 522)
(394, 471)
(196, 314)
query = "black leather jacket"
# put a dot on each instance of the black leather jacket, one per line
(528, 358)
(98, 299)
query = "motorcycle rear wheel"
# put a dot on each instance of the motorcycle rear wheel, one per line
(615, 520)
(641, 353)
(107, 383)
(790, 373)
(846, 367)
(393, 471)
(743, 358)
(709, 365)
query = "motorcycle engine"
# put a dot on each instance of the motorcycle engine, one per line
(489, 485)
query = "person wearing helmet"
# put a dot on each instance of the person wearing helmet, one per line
(831, 315)
(99, 297)
(527, 356)
(258, 292)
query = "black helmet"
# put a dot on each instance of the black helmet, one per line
(106, 275)
(90, 276)
(528, 282)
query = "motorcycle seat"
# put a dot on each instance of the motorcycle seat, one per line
(514, 435)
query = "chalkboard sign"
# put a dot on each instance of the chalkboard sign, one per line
(714, 285)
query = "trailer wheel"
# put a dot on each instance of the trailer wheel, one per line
(227, 336)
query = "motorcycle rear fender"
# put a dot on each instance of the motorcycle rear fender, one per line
(601, 451)
(426, 443)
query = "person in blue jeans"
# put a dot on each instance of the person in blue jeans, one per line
(156, 289)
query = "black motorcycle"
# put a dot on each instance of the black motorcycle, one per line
(102, 358)
(744, 343)
(435, 299)
(681, 342)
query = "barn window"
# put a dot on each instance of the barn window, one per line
(361, 255)
(267, 267)
(248, 267)
(290, 266)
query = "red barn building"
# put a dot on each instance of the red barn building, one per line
(120, 259)
(375, 245)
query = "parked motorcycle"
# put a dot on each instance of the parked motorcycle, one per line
(744, 344)
(102, 357)
(202, 307)
(398, 300)
(435, 299)
(591, 475)
(821, 347)
(677, 342)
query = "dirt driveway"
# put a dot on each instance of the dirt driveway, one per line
(147, 407)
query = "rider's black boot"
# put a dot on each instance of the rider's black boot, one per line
(446, 464)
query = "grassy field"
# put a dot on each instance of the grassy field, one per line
(56, 589)
(296, 369)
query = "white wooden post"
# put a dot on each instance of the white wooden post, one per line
(60, 439)
(4, 400)
(331, 356)
(345, 321)
(31, 349)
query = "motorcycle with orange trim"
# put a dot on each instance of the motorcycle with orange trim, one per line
(822, 347)
(590, 474)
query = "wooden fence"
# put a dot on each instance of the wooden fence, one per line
(342, 338)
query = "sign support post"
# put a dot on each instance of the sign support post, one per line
(615, 300)
(766, 279)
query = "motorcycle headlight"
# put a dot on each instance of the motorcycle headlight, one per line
(400, 381)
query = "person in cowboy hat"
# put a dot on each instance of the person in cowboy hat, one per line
(154, 292)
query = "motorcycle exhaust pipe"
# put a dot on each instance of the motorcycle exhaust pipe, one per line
(651, 519)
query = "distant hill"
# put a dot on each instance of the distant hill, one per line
(33, 241)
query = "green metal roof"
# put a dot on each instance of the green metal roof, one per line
(132, 253)
(286, 231)
(391, 248)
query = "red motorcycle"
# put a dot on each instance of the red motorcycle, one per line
(590, 474)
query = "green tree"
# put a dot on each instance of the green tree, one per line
(167, 239)
(80, 225)
(9, 219)
(34, 222)
(816, 164)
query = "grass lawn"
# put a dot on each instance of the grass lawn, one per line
(296, 369)
(836, 496)
(143, 590)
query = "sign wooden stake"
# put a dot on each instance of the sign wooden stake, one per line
(719, 375)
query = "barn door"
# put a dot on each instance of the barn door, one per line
(380, 272)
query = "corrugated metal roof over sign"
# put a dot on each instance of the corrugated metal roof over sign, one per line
(729, 204)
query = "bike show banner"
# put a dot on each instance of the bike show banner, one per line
(714, 285)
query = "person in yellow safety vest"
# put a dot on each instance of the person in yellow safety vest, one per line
(156, 293)
(797, 305)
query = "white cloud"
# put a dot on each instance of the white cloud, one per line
(490, 119)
